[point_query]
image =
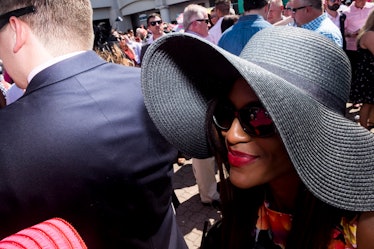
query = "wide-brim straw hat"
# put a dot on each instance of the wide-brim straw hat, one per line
(302, 79)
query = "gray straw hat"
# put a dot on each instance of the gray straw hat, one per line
(302, 79)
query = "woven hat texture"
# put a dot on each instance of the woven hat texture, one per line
(302, 79)
(54, 233)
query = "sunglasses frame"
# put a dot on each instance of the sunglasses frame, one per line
(248, 128)
(153, 23)
(203, 20)
(294, 10)
(4, 18)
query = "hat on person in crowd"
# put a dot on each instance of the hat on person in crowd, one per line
(301, 78)
(53, 233)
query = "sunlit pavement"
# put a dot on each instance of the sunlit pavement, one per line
(191, 214)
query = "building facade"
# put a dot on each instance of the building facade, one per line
(130, 14)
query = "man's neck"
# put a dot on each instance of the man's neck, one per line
(260, 12)
(331, 12)
(156, 36)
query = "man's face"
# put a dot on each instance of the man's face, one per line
(200, 25)
(333, 4)
(300, 13)
(275, 13)
(156, 26)
(360, 3)
(213, 17)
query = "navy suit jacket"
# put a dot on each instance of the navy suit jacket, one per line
(80, 145)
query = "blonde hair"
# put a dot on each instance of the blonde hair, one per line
(61, 26)
(112, 53)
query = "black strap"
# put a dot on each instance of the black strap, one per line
(342, 28)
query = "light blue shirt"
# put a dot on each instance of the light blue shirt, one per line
(325, 27)
(237, 36)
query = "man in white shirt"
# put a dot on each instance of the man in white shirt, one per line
(222, 8)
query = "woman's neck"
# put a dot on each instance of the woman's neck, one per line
(283, 192)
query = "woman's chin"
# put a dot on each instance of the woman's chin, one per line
(241, 180)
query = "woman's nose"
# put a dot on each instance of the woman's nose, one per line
(236, 133)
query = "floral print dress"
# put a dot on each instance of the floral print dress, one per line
(273, 228)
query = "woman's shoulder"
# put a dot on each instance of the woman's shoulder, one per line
(367, 39)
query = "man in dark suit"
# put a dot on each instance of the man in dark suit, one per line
(79, 143)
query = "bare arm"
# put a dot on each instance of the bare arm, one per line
(367, 41)
(365, 231)
(285, 21)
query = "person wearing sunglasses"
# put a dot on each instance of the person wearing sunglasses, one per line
(295, 172)
(309, 14)
(155, 28)
(79, 144)
(196, 21)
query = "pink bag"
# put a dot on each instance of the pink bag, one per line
(54, 233)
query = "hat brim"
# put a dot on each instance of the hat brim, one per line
(332, 155)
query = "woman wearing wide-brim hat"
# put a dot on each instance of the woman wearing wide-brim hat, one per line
(295, 172)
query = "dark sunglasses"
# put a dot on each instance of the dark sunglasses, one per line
(294, 10)
(203, 20)
(4, 18)
(155, 22)
(254, 118)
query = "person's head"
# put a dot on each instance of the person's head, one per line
(222, 8)
(249, 5)
(360, 3)
(304, 11)
(287, 11)
(123, 41)
(195, 19)
(332, 5)
(256, 156)
(155, 25)
(212, 16)
(41, 29)
(228, 21)
(141, 33)
(298, 96)
(275, 11)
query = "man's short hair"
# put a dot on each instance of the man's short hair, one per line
(254, 4)
(57, 21)
(153, 15)
(223, 6)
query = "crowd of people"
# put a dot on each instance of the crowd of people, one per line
(91, 124)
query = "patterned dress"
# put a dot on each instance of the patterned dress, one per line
(273, 228)
(362, 89)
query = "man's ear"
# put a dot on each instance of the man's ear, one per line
(20, 31)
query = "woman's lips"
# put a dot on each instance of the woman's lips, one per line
(240, 159)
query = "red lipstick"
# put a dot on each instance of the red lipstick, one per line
(240, 159)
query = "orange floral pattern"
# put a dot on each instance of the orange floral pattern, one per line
(343, 236)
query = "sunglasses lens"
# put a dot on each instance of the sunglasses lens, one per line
(155, 22)
(224, 114)
(256, 121)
